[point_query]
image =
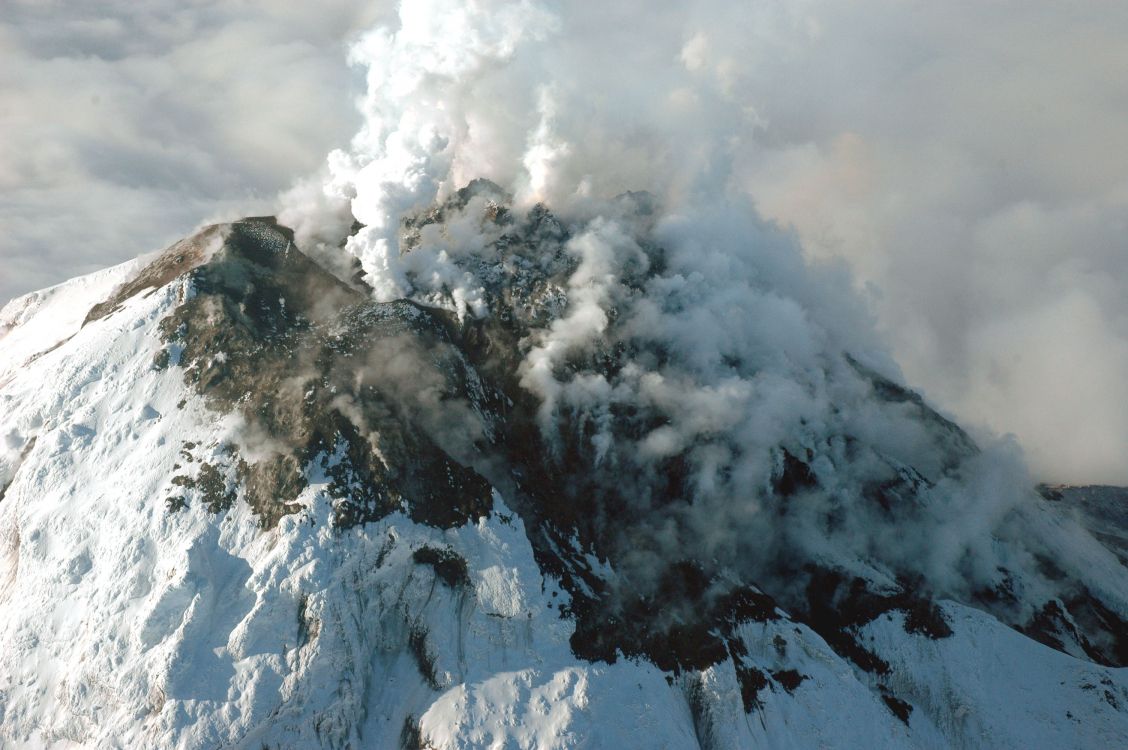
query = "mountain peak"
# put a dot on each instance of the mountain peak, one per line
(539, 467)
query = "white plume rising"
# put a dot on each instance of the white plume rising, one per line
(548, 101)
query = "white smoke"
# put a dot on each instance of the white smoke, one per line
(740, 348)
(559, 103)
(420, 116)
(799, 108)
(555, 102)
(962, 156)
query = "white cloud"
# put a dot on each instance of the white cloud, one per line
(126, 124)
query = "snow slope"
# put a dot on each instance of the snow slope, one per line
(35, 322)
(127, 625)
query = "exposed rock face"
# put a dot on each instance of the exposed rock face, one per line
(390, 447)
(317, 373)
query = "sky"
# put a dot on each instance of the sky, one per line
(967, 161)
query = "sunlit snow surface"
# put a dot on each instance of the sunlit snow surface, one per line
(124, 625)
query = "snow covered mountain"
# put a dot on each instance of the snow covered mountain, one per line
(536, 483)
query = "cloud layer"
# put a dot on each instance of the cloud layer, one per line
(127, 124)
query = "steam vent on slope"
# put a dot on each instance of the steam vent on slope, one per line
(628, 478)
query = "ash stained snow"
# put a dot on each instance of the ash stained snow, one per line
(536, 357)
(308, 369)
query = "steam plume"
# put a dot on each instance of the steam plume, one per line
(741, 355)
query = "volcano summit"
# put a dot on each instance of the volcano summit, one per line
(611, 480)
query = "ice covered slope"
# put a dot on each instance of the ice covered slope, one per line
(246, 505)
(1101, 509)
